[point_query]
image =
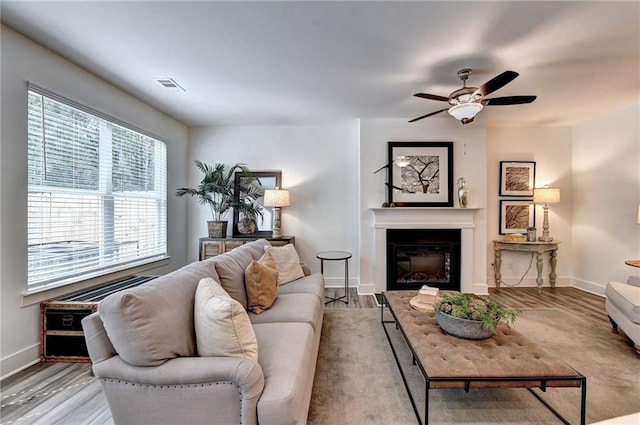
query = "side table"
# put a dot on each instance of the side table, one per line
(336, 256)
(633, 263)
(538, 248)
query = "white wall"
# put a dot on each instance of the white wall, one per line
(319, 166)
(22, 61)
(469, 161)
(550, 148)
(606, 187)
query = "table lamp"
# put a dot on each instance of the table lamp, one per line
(276, 198)
(545, 196)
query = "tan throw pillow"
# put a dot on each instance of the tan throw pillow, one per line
(222, 325)
(287, 262)
(262, 285)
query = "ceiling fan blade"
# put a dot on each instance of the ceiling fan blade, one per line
(508, 100)
(432, 97)
(495, 83)
(428, 115)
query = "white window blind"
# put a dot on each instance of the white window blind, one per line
(97, 198)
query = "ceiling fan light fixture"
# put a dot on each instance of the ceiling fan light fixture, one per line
(402, 161)
(465, 110)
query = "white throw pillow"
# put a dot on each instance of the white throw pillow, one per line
(287, 262)
(222, 325)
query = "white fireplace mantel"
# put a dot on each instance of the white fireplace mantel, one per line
(424, 218)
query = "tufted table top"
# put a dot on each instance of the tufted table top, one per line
(448, 361)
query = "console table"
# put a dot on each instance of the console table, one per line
(210, 247)
(538, 248)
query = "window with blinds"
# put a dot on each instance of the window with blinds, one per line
(97, 193)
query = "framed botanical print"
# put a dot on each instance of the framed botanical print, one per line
(517, 178)
(421, 174)
(516, 216)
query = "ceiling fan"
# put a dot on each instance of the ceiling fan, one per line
(466, 102)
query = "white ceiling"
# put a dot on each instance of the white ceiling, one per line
(309, 62)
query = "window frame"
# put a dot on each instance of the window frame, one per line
(115, 269)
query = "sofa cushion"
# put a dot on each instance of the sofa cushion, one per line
(153, 322)
(287, 262)
(626, 298)
(312, 284)
(287, 359)
(301, 308)
(256, 248)
(222, 326)
(230, 266)
(261, 281)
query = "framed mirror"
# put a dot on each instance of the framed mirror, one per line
(264, 226)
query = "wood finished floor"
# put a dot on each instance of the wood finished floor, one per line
(68, 394)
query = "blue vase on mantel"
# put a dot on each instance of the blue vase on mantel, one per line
(463, 192)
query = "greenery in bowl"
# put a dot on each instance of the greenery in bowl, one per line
(476, 308)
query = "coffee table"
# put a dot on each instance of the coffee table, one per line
(506, 360)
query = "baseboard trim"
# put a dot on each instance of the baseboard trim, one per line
(338, 282)
(367, 289)
(21, 360)
(591, 287)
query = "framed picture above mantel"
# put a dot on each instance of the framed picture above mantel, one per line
(420, 174)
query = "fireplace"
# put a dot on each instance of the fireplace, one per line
(417, 257)
(472, 249)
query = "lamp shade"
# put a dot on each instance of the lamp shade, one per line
(638, 214)
(465, 110)
(276, 198)
(546, 195)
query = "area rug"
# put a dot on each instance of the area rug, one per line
(357, 380)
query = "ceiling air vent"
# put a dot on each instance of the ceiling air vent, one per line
(170, 83)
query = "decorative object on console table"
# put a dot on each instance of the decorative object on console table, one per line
(210, 247)
(516, 216)
(276, 198)
(546, 196)
(517, 178)
(427, 178)
(217, 190)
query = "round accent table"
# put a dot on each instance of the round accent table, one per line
(336, 256)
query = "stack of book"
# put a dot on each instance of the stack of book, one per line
(425, 299)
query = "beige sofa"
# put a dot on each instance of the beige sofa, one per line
(143, 347)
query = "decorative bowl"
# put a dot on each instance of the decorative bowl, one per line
(462, 328)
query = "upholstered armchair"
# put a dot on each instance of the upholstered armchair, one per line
(623, 308)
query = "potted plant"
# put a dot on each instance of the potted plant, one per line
(217, 189)
(247, 207)
(471, 316)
